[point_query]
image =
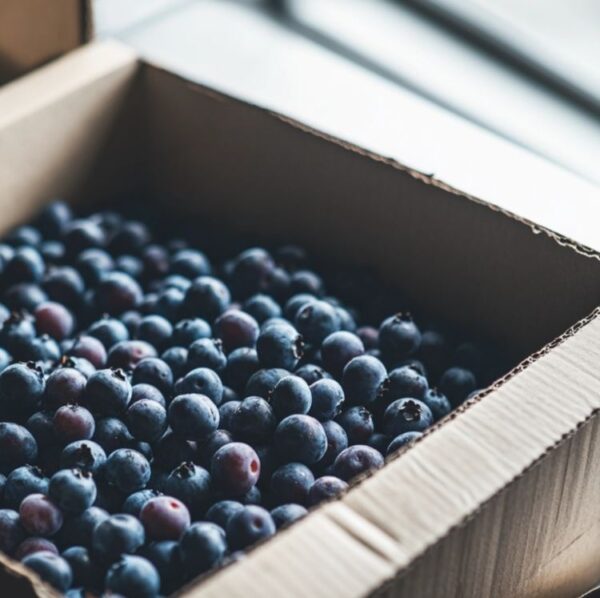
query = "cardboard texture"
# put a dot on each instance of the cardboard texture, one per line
(501, 498)
(33, 32)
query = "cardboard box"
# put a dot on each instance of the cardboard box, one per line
(499, 499)
(32, 32)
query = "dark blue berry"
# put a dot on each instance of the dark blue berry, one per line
(405, 381)
(86, 573)
(326, 488)
(279, 346)
(127, 354)
(262, 307)
(362, 379)
(26, 265)
(355, 460)
(165, 518)
(253, 420)
(146, 392)
(406, 415)
(135, 502)
(457, 383)
(402, 440)
(39, 515)
(72, 490)
(291, 395)
(190, 263)
(236, 329)
(21, 388)
(85, 455)
(206, 352)
(206, 298)
(51, 568)
(73, 422)
(154, 371)
(285, 514)
(399, 336)
(241, 364)
(127, 469)
(21, 482)
(165, 556)
(202, 381)
(117, 535)
(358, 423)
(310, 373)
(193, 416)
(327, 399)
(202, 546)
(262, 383)
(189, 330)
(438, 403)
(316, 320)
(116, 293)
(147, 420)
(109, 331)
(301, 438)
(337, 441)
(111, 434)
(191, 484)
(222, 511)
(340, 348)
(290, 483)
(17, 446)
(108, 392)
(235, 468)
(248, 526)
(77, 530)
(11, 531)
(176, 358)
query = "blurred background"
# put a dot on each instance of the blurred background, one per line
(527, 72)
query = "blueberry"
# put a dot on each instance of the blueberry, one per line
(193, 416)
(78, 529)
(310, 373)
(17, 446)
(155, 330)
(291, 257)
(191, 484)
(189, 330)
(64, 385)
(316, 320)
(305, 281)
(72, 490)
(168, 304)
(213, 443)
(262, 307)
(111, 434)
(236, 329)
(127, 354)
(337, 441)
(133, 576)
(290, 483)
(93, 264)
(326, 488)
(280, 346)
(109, 331)
(176, 358)
(53, 219)
(202, 546)
(291, 395)
(73, 422)
(190, 263)
(165, 518)
(357, 423)
(222, 511)
(165, 556)
(154, 371)
(406, 415)
(340, 348)
(456, 383)
(402, 440)
(405, 381)
(399, 336)
(251, 272)
(21, 388)
(156, 261)
(41, 349)
(108, 392)
(89, 348)
(85, 455)
(39, 515)
(33, 545)
(116, 535)
(285, 514)
(294, 303)
(51, 568)
(64, 285)
(248, 526)
(131, 237)
(16, 332)
(127, 469)
(206, 298)
(235, 468)
(26, 265)
(327, 399)
(202, 381)
(362, 379)
(135, 502)
(116, 293)
(226, 411)
(147, 420)
(79, 235)
(355, 460)
(263, 382)
(25, 295)
(241, 364)
(22, 481)
(171, 450)
(11, 531)
(301, 438)
(379, 442)
(146, 392)
(85, 571)
(206, 352)
(438, 403)
(253, 420)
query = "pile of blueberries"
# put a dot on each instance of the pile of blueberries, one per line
(161, 411)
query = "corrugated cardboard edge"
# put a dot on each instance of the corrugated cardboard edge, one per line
(391, 162)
